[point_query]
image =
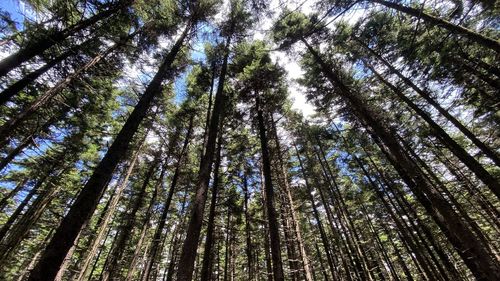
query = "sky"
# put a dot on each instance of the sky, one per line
(261, 32)
(291, 63)
(17, 10)
(13, 8)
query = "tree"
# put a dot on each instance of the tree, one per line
(89, 196)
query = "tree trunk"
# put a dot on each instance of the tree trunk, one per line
(29, 78)
(453, 28)
(5, 200)
(268, 185)
(14, 216)
(349, 227)
(7, 129)
(206, 269)
(27, 141)
(227, 255)
(455, 148)
(145, 227)
(324, 238)
(382, 250)
(176, 239)
(38, 46)
(295, 220)
(106, 220)
(155, 247)
(248, 236)
(88, 199)
(473, 252)
(19, 231)
(267, 255)
(112, 270)
(188, 254)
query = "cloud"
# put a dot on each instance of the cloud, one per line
(294, 72)
(285, 60)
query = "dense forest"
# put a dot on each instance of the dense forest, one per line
(249, 140)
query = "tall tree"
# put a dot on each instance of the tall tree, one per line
(89, 197)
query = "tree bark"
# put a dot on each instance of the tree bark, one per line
(324, 238)
(206, 269)
(248, 236)
(88, 199)
(470, 163)
(453, 28)
(268, 185)
(21, 228)
(38, 46)
(295, 220)
(112, 270)
(189, 247)
(474, 253)
(155, 247)
(106, 220)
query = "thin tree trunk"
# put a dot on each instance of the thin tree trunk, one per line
(343, 224)
(476, 255)
(248, 235)
(5, 200)
(374, 186)
(38, 46)
(166, 206)
(27, 141)
(176, 239)
(5, 245)
(189, 247)
(103, 226)
(267, 255)
(30, 138)
(268, 185)
(31, 217)
(112, 271)
(88, 199)
(206, 269)
(145, 226)
(7, 129)
(29, 78)
(382, 250)
(13, 217)
(295, 220)
(401, 261)
(453, 28)
(349, 228)
(26, 269)
(471, 163)
(324, 238)
(227, 250)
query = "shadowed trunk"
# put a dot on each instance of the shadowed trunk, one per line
(474, 253)
(155, 247)
(268, 185)
(453, 28)
(206, 269)
(88, 198)
(188, 254)
(39, 45)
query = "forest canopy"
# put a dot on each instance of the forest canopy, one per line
(249, 140)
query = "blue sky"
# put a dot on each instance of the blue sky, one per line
(13, 8)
